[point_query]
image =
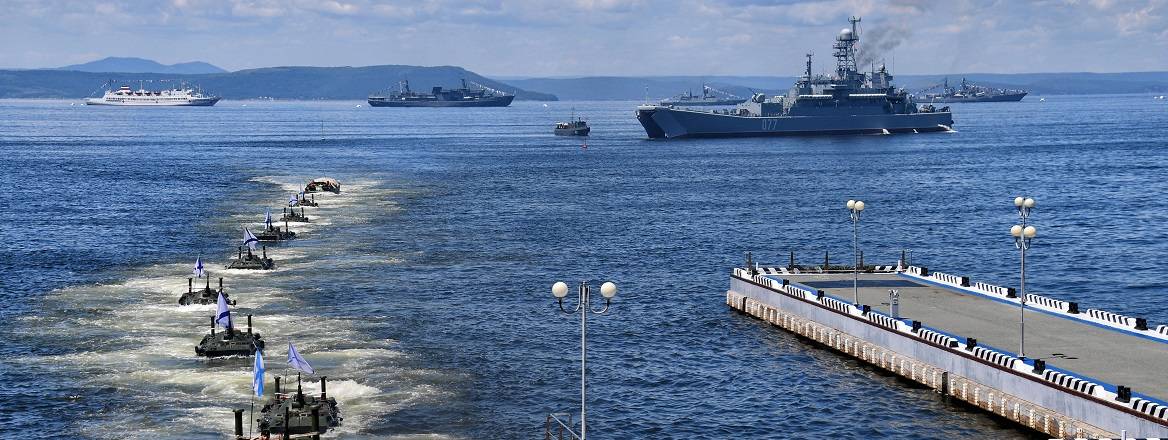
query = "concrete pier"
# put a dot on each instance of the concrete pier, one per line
(1087, 374)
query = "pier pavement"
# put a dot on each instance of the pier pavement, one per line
(1107, 355)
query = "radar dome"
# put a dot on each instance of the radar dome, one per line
(845, 34)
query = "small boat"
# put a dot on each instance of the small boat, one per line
(574, 127)
(578, 127)
(322, 184)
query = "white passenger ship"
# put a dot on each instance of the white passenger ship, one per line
(179, 96)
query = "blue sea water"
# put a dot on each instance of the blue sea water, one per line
(422, 290)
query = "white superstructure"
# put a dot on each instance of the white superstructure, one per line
(179, 96)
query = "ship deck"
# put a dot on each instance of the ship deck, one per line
(1106, 355)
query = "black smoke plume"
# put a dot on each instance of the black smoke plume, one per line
(874, 44)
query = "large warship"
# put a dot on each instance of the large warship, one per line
(479, 96)
(710, 97)
(971, 93)
(850, 102)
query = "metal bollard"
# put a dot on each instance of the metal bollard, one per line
(238, 423)
(894, 303)
(1039, 366)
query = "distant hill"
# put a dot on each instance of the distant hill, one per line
(141, 65)
(603, 88)
(634, 88)
(275, 82)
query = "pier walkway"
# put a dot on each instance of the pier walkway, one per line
(1087, 373)
(1107, 355)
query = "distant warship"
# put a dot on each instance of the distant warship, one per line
(850, 102)
(480, 96)
(710, 96)
(971, 93)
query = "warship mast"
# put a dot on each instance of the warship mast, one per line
(845, 53)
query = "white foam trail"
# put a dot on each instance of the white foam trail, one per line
(141, 342)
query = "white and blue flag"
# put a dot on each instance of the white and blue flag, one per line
(199, 272)
(222, 314)
(292, 200)
(249, 239)
(298, 362)
(268, 218)
(257, 377)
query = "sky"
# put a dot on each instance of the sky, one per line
(568, 38)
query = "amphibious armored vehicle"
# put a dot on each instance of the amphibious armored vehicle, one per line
(290, 215)
(294, 412)
(276, 234)
(301, 200)
(203, 296)
(252, 261)
(229, 342)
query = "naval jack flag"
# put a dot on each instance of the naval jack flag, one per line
(268, 219)
(199, 272)
(249, 239)
(298, 362)
(292, 200)
(222, 314)
(257, 374)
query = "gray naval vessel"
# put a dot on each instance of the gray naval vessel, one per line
(709, 97)
(849, 102)
(479, 96)
(971, 93)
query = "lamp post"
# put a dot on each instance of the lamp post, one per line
(855, 207)
(583, 307)
(1023, 234)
